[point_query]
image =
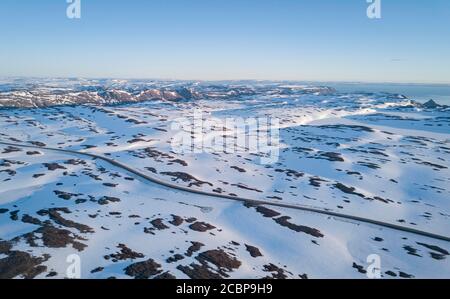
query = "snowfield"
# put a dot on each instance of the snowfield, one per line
(379, 157)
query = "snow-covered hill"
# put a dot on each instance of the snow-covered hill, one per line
(380, 157)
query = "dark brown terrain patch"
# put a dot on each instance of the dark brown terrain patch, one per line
(369, 165)
(179, 161)
(53, 237)
(316, 181)
(165, 275)
(433, 165)
(158, 224)
(31, 220)
(14, 215)
(175, 258)
(290, 173)
(219, 258)
(176, 221)
(11, 149)
(187, 178)
(33, 153)
(436, 252)
(196, 246)
(348, 127)
(359, 268)
(348, 190)
(238, 169)
(151, 169)
(277, 272)
(38, 143)
(53, 166)
(330, 156)
(107, 200)
(405, 275)
(57, 218)
(284, 221)
(254, 252)
(124, 254)
(111, 185)
(391, 273)
(21, 263)
(98, 269)
(135, 140)
(143, 270)
(65, 195)
(195, 271)
(411, 251)
(242, 186)
(75, 162)
(201, 226)
(266, 212)
(5, 246)
(294, 173)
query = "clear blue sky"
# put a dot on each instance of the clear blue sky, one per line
(323, 40)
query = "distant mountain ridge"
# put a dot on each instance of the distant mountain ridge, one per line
(48, 93)
(47, 98)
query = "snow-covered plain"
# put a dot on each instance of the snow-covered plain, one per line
(378, 156)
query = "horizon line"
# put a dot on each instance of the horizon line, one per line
(228, 80)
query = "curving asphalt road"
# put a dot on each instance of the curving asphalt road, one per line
(154, 180)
